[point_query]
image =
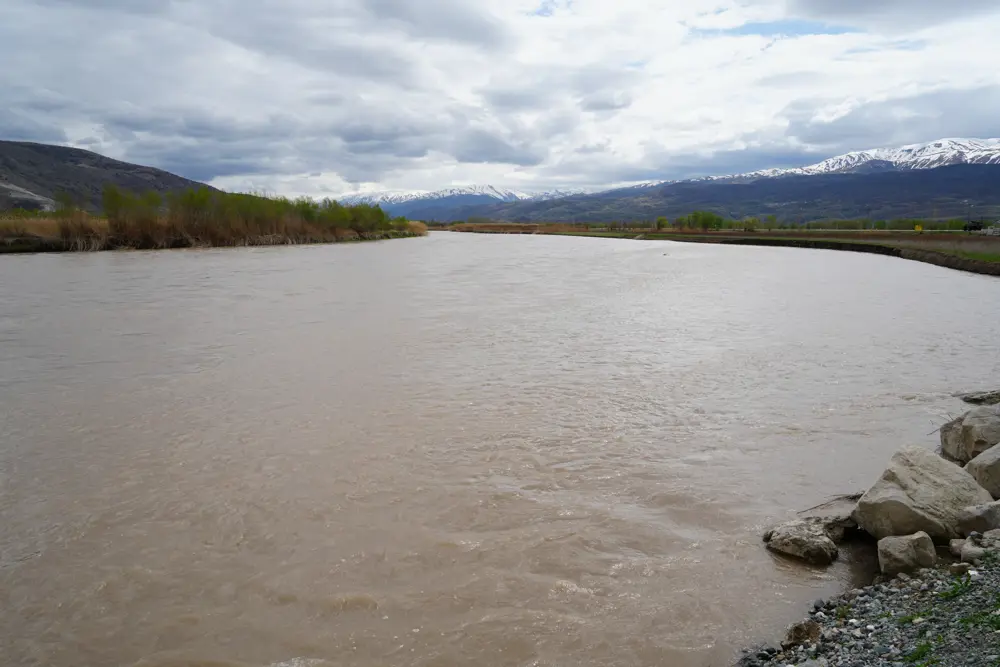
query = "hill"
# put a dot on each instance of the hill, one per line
(441, 203)
(31, 175)
(944, 192)
(782, 192)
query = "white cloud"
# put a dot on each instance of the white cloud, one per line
(321, 97)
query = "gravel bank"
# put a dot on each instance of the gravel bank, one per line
(935, 617)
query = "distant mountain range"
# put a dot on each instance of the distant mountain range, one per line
(940, 153)
(774, 191)
(431, 205)
(944, 178)
(32, 174)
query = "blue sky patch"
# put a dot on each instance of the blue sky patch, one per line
(787, 28)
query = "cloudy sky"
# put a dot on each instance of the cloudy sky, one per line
(325, 97)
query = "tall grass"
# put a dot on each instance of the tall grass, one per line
(204, 217)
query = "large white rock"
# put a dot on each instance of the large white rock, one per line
(919, 492)
(970, 435)
(979, 519)
(951, 440)
(906, 554)
(802, 539)
(985, 468)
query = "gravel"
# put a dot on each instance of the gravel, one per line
(933, 617)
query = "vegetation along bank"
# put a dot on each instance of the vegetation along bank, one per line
(196, 217)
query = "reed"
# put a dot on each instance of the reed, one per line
(202, 218)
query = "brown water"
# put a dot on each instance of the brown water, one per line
(458, 450)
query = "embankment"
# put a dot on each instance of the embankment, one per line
(916, 254)
(948, 250)
(935, 521)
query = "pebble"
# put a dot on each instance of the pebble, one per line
(868, 628)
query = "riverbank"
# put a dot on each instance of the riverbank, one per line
(198, 218)
(935, 617)
(960, 251)
(96, 243)
(936, 519)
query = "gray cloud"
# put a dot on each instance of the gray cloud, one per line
(375, 90)
(606, 100)
(476, 145)
(661, 164)
(924, 117)
(455, 20)
(892, 14)
(594, 87)
(22, 127)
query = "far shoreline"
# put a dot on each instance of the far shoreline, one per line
(904, 246)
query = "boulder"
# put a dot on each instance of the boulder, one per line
(959, 569)
(919, 492)
(972, 553)
(981, 430)
(806, 632)
(955, 547)
(979, 518)
(982, 397)
(906, 554)
(835, 517)
(951, 440)
(802, 539)
(985, 468)
(970, 435)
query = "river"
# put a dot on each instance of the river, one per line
(455, 450)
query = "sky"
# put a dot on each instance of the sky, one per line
(326, 97)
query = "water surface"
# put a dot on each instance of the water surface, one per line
(463, 449)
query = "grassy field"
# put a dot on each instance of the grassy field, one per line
(198, 218)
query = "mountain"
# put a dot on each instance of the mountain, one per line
(952, 191)
(440, 203)
(931, 155)
(32, 174)
(781, 192)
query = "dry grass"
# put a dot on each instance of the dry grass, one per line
(80, 231)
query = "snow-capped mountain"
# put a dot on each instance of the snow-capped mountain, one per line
(397, 198)
(940, 153)
(451, 201)
(461, 202)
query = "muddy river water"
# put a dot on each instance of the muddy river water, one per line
(456, 450)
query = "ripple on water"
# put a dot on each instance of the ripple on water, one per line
(503, 451)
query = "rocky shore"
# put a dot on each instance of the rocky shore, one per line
(936, 520)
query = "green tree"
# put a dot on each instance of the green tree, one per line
(113, 202)
(65, 204)
(662, 223)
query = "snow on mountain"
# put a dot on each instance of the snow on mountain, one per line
(557, 194)
(395, 198)
(940, 153)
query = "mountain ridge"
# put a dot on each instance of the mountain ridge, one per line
(32, 174)
(928, 155)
